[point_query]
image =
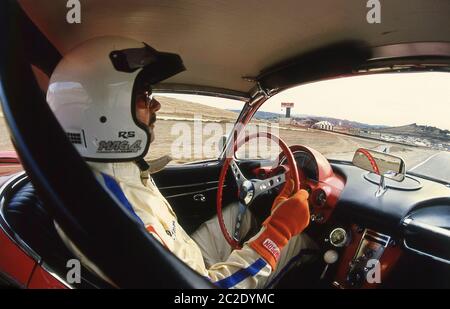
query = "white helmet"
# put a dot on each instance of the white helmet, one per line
(92, 94)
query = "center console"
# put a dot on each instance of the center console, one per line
(366, 260)
(367, 257)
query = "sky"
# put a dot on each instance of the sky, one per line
(380, 99)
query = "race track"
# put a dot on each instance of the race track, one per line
(436, 166)
(420, 160)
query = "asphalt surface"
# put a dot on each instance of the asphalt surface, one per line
(437, 166)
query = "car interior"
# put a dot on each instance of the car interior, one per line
(357, 214)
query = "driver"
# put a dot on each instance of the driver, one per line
(100, 93)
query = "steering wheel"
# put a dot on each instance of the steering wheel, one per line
(250, 189)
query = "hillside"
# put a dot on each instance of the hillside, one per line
(180, 108)
(418, 131)
(334, 121)
(169, 107)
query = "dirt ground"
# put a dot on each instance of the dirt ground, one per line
(178, 139)
(332, 145)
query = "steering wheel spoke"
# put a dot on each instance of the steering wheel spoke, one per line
(265, 185)
(238, 224)
(238, 176)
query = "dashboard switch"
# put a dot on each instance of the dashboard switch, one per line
(321, 198)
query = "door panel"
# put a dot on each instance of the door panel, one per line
(191, 189)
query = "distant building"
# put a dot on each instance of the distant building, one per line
(288, 106)
(354, 131)
(323, 125)
(304, 123)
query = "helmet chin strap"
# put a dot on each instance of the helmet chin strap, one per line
(144, 168)
(153, 166)
(142, 164)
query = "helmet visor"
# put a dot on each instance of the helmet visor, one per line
(156, 66)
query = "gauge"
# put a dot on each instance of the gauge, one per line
(338, 237)
(306, 163)
(321, 197)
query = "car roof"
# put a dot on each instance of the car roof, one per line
(223, 41)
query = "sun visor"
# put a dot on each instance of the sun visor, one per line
(326, 62)
(156, 66)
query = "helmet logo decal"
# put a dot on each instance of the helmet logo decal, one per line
(125, 134)
(119, 147)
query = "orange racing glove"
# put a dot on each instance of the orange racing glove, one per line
(289, 217)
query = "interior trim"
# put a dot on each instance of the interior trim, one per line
(425, 254)
(189, 185)
(194, 192)
(419, 49)
(55, 275)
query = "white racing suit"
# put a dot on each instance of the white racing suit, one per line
(206, 250)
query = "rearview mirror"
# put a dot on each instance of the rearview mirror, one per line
(380, 163)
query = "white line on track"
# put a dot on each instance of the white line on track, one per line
(423, 162)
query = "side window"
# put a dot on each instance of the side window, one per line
(189, 127)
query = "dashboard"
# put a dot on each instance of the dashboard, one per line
(361, 235)
(318, 178)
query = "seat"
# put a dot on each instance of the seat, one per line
(25, 214)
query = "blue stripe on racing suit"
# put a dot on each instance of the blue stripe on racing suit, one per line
(241, 275)
(115, 189)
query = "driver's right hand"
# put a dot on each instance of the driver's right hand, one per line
(289, 217)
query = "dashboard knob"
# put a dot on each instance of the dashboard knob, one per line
(317, 218)
(330, 257)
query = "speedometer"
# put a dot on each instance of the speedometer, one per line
(306, 163)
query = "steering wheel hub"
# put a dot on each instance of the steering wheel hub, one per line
(246, 192)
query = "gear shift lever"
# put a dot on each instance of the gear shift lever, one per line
(330, 257)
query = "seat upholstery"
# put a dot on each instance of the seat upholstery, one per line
(27, 217)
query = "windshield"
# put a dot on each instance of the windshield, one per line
(404, 114)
